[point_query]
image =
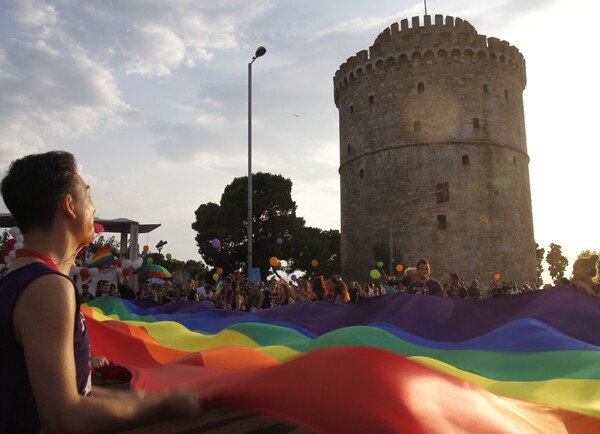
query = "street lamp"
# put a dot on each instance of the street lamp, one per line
(260, 51)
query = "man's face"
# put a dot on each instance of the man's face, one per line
(423, 270)
(84, 210)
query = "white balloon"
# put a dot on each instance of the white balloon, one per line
(93, 271)
(138, 263)
(76, 271)
(12, 254)
(20, 238)
(14, 231)
(126, 263)
(119, 270)
(18, 245)
(8, 260)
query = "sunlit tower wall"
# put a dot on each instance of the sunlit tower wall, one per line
(428, 103)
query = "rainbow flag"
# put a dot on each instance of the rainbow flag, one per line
(102, 258)
(395, 363)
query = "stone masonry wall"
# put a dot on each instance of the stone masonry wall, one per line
(428, 104)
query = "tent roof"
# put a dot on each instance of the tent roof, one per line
(120, 225)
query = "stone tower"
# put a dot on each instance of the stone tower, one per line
(428, 104)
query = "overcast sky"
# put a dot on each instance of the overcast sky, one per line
(151, 98)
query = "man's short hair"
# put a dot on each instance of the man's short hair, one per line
(34, 184)
(423, 261)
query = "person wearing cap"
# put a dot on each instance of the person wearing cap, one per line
(456, 290)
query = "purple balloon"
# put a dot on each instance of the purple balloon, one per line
(279, 241)
(294, 277)
(216, 243)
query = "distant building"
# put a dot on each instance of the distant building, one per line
(428, 104)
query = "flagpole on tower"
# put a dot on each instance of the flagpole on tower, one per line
(425, 1)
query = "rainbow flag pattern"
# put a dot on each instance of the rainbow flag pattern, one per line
(102, 258)
(392, 364)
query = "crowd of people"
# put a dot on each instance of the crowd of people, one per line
(234, 292)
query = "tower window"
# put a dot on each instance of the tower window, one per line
(506, 95)
(421, 88)
(486, 88)
(351, 108)
(465, 160)
(475, 122)
(361, 173)
(349, 148)
(514, 160)
(417, 126)
(371, 99)
(442, 223)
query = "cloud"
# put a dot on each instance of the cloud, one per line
(34, 13)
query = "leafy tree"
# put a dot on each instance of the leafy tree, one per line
(4, 237)
(539, 257)
(274, 216)
(557, 263)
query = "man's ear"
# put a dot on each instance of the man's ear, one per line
(67, 205)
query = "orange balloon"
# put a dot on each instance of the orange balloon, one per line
(496, 276)
(219, 271)
(274, 261)
(399, 268)
(314, 263)
(146, 248)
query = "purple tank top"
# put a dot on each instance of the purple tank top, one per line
(18, 412)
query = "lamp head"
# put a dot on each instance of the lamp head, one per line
(260, 51)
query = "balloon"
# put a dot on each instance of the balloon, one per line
(216, 243)
(144, 253)
(273, 261)
(279, 241)
(314, 263)
(119, 270)
(294, 277)
(172, 273)
(84, 273)
(137, 263)
(126, 271)
(126, 263)
(379, 264)
(375, 274)
(149, 260)
(14, 231)
(496, 276)
(146, 248)
(219, 271)
(19, 238)
(18, 245)
(215, 277)
(399, 268)
(75, 271)
(119, 263)
(12, 254)
(93, 271)
(169, 256)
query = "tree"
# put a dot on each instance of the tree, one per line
(539, 257)
(557, 263)
(4, 237)
(277, 231)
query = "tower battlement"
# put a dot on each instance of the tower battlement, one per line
(447, 39)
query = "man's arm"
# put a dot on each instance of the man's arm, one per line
(44, 323)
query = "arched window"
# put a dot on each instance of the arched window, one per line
(486, 88)
(442, 223)
(475, 122)
(421, 88)
(417, 126)
(465, 160)
(361, 173)
(351, 108)
(349, 148)
(514, 160)
(506, 95)
(371, 99)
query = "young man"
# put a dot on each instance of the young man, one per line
(45, 363)
(425, 285)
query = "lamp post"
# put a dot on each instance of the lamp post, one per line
(443, 196)
(260, 51)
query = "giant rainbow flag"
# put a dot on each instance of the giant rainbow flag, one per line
(396, 363)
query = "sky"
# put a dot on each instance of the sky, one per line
(151, 97)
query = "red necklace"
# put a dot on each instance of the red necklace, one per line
(29, 253)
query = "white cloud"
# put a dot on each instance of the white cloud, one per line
(34, 13)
